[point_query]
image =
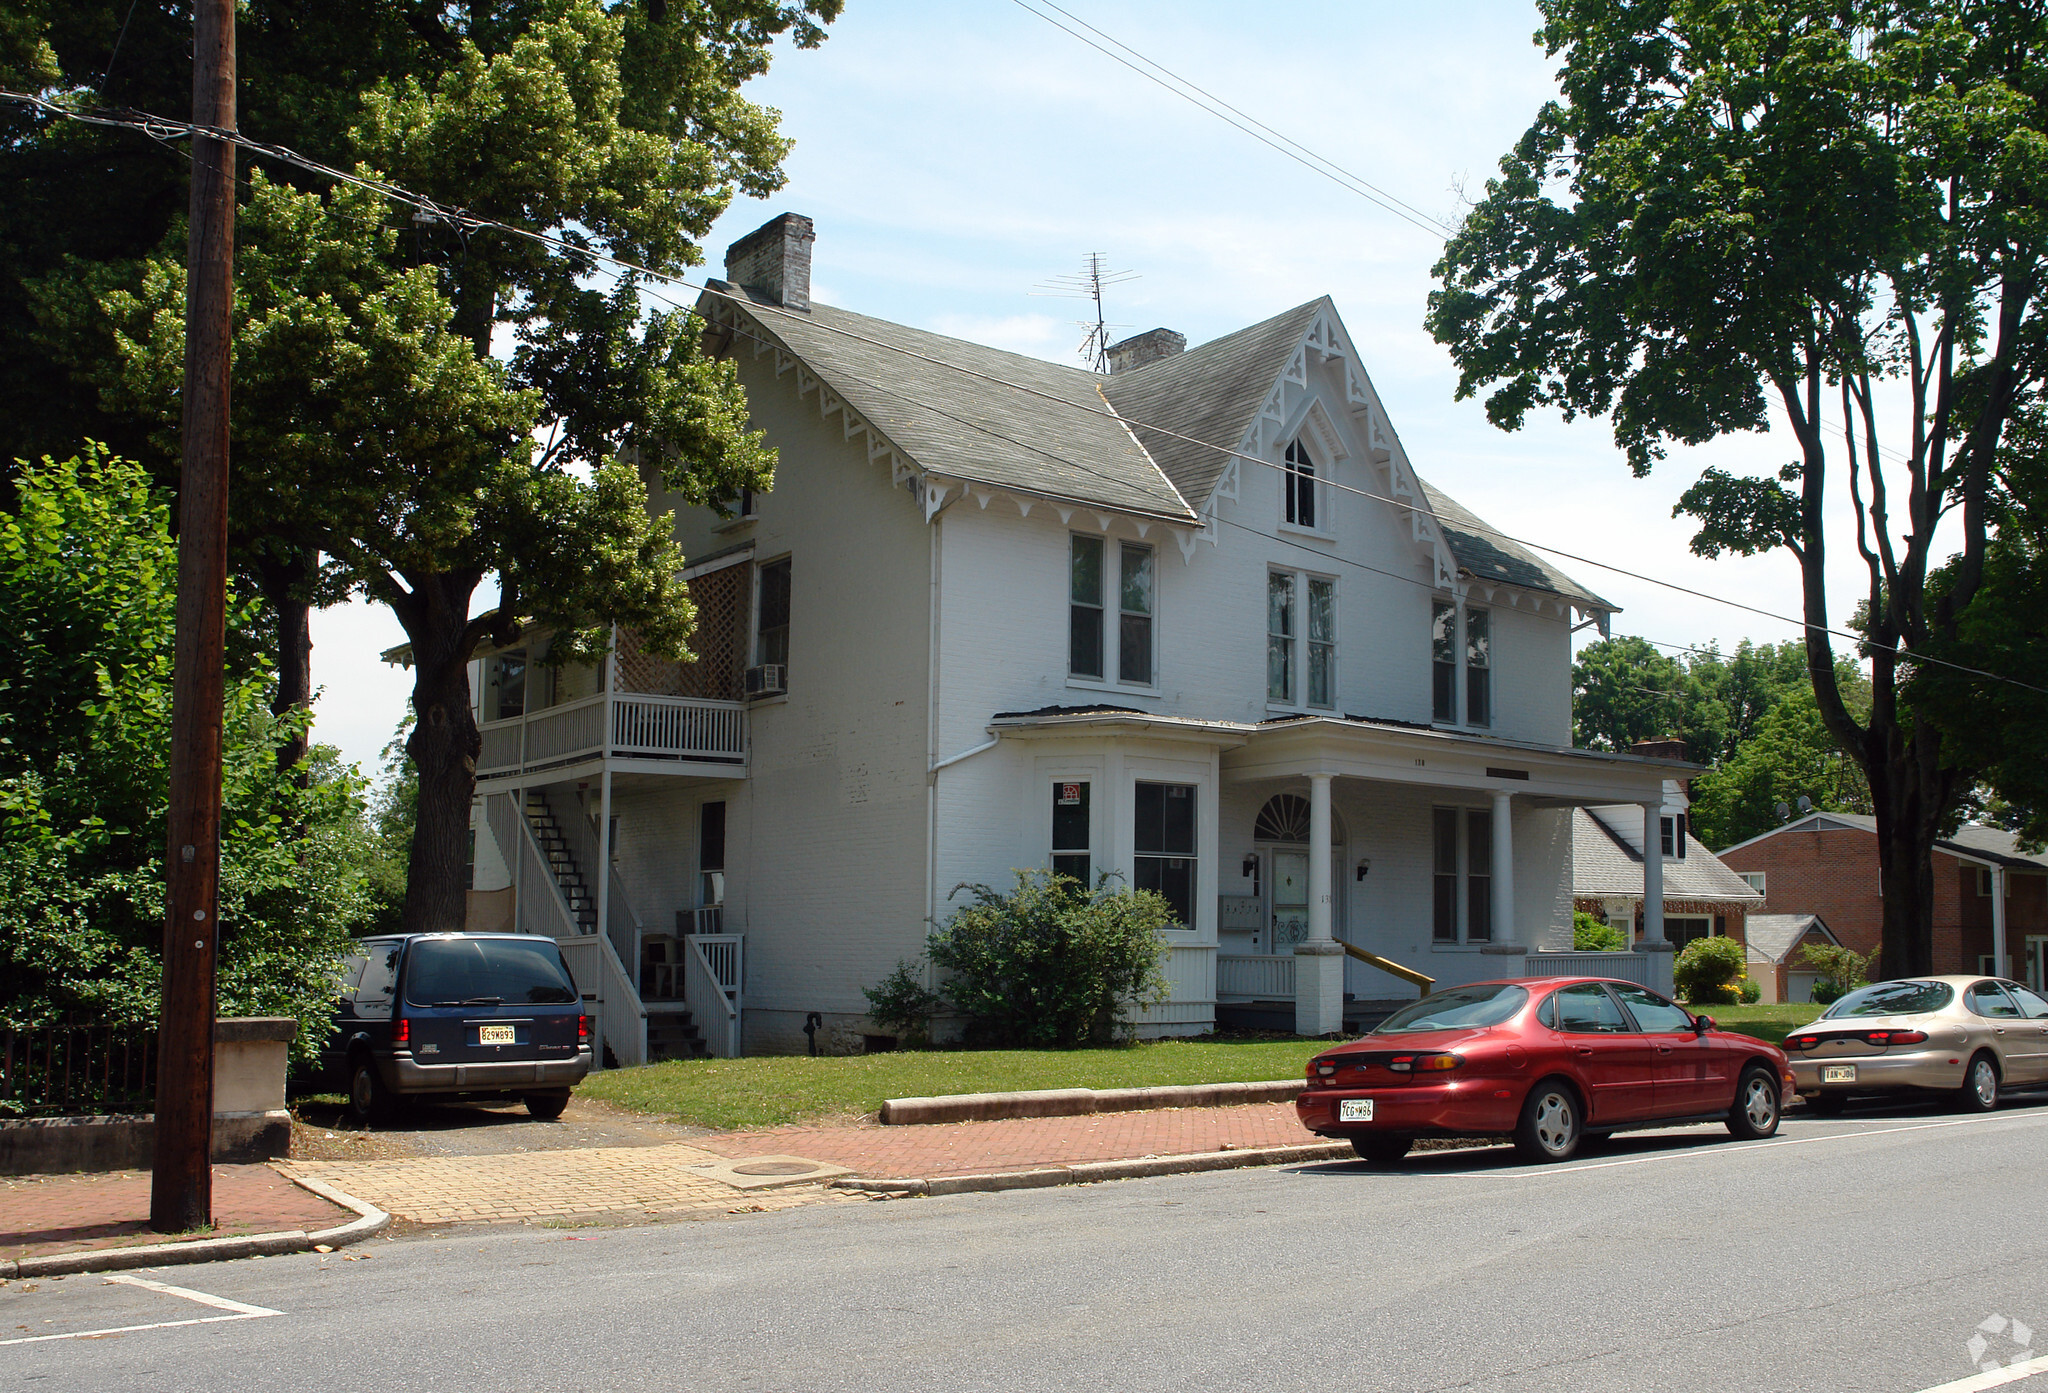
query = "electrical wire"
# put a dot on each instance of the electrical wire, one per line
(464, 223)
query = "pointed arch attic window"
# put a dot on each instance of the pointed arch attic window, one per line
(1300, 482)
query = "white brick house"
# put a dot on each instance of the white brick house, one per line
(999, 612)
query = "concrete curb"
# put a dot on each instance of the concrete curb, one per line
(369, 1219)
(1076, 1102)
(1089, 1172)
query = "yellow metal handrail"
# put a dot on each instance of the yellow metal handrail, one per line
(1406, 974)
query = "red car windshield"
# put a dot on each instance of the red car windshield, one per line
(1460, 1008)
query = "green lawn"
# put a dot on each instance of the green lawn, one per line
(1772, 1023)
(769, 1090)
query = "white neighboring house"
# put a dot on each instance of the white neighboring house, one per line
(999, 612)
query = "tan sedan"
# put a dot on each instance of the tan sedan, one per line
(1967, 1036)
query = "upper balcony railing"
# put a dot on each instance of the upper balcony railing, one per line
(689, 731)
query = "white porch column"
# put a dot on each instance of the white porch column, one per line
(1654, 943)
(1999, 963)
(1319, 962)
(1503, 871)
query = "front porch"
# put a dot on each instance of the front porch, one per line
(1374, 862)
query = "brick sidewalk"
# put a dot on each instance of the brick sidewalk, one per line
(41, 1215)
(876, 1152)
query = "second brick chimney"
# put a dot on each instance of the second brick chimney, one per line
(775, 260)
(1148, 347)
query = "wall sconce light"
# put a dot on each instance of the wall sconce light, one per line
(1250, 867)
(1364, 865)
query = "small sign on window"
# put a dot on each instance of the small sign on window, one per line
(1070, 795)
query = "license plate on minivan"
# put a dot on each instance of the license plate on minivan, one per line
(1838, 1073)
(495, 1035)
(1355, 1110)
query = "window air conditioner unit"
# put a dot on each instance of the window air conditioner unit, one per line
(769, 679)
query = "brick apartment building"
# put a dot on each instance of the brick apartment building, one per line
(1826, 864)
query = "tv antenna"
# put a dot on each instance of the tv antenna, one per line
(1089, 285)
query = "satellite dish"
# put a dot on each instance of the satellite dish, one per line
(1784, 810)
(1805, 804)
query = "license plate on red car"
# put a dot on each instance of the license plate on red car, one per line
(495, 1035)
(1354, 1110)
(1838, 1073)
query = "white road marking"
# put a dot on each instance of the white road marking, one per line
(1774, 1144)
(2012, 1373)
(236, 1310)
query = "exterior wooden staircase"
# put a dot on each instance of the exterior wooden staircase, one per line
(561, 861)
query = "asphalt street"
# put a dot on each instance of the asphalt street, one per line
(1861, 1254)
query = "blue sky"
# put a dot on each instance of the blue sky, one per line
(955, 156)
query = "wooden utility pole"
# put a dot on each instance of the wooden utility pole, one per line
(181, 1184)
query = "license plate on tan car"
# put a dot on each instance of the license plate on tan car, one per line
(1354, 1110)
(495, 1035)
(1838, 1073)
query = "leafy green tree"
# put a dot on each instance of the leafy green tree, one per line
(87, 569)
(617, 128)
(1793, 755)
(1822, 207)
(1624, 690)
(1708, 970)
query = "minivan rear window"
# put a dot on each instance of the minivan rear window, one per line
(486, 972)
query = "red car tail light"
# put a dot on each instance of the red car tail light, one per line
(1896, 1037)
(401, 1031)
(583, 1030)
(1424, 1063)
(1321, 1069)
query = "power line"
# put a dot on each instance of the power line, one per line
(463, 222)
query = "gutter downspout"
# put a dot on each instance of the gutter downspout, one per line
(1998, 959)
(931, 738)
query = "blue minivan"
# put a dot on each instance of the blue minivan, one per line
(457, 1015)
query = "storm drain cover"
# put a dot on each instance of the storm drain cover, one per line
(777, 1168)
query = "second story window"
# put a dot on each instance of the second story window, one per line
(1445, 632)
(1280, 637)
(1089, 632)
(1300, 481)
(1322, 641)
(1671, 837)
(771, 628)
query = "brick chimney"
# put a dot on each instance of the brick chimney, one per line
(1670, 747)
(775, 260)
(1148, 347)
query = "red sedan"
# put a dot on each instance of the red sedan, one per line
(1553, 1061)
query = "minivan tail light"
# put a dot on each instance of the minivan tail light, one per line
(401, 1031)
(583, 1030)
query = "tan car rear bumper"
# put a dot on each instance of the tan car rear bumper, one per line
(1943, 1069)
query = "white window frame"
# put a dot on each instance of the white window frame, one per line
(1462, 669)
(760, 574)
(1300, 646)
(1298, 461)
(1461, 904)
(1111, 575)
(1756, 880)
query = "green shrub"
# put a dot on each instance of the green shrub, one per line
(1590, 935)
(1707, 970)
(1842, 970)
(1050, 962)
(1749, 991)
(902, 1003)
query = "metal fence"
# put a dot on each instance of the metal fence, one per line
(76, 1069)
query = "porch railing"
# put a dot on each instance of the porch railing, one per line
(76, 1068)
(1255, 976)
(1421, 980)
(1629, 967)
(642, 727)
(712, 973)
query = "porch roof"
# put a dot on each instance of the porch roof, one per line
(1400, 752)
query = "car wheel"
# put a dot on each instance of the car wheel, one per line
(546, 1106)
(369, 1101)
(1381, 1150)
(1979, 1092)
(1551, 1128)
(1755, 1114)
(1827, 1104)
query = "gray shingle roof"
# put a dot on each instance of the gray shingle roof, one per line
(1971, 839)
(1605, 864)
(1481, 550)
(965, 427)
(1210, 393)
(1772, 936)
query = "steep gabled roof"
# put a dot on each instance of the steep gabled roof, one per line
(961, 424)
(1210, 393)
(1481, 550)
(1972, 839)
(1770, 937)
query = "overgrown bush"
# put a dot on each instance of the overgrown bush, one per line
(903, 1004)
(1707, 970)
(1749, 990)
(1842, 970)
(1590, 935)
(1051, 962)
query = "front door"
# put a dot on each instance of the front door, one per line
(1288, 920)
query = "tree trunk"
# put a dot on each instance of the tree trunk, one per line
(1910, 793)
(287, 583)
(444, 746)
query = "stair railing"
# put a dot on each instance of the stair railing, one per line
(711, 986)
(1388, 965)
